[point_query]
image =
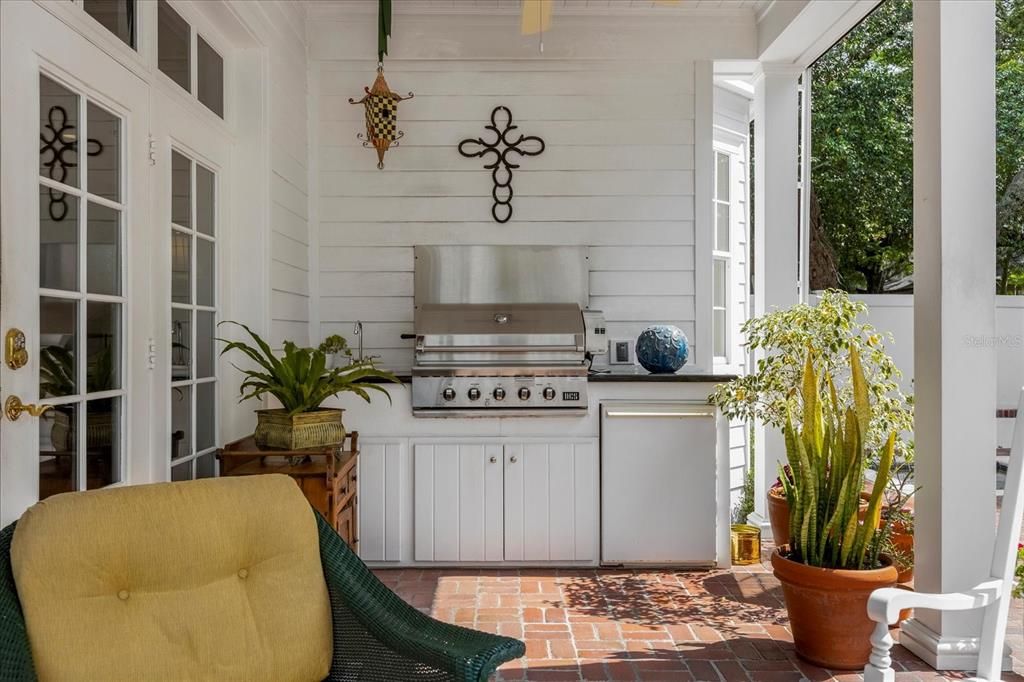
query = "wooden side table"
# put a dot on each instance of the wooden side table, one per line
(326, 475)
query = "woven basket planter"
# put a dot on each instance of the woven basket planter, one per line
(278, 429)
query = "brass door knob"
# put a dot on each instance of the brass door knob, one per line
(13, 407)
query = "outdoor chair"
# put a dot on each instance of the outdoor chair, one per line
(218, 579)
(992, 595)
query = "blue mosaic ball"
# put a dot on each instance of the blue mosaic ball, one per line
(662, 349)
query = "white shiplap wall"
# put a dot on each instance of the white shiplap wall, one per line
(617, 175)
(289, 183)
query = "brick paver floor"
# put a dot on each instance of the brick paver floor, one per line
(638, 625)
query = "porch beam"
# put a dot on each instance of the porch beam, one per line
(776, 234)
(954, 318)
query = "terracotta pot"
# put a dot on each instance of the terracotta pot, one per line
(778, 516)
(903, 540)
(828, 610)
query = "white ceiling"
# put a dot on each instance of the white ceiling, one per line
(597, 7)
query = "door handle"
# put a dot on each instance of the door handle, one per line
(13, 407)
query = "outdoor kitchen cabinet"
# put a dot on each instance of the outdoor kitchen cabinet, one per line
(509, 501)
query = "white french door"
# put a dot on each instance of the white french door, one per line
(191, 164)
(75, 243)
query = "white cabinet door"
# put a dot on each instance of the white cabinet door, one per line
(383, 501)
(551, 506)
(458, 502)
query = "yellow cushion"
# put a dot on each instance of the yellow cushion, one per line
(208, 580)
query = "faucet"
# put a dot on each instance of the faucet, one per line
(357, 330)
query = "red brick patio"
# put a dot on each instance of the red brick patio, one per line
(636, 625)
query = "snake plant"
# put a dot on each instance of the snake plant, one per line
(299, 379)
(827, 458)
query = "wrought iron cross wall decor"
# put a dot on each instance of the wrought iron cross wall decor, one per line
(502, 165)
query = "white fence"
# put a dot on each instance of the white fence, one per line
(895, 313)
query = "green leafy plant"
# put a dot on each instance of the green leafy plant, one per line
(832, 328)
(299, 378)
(335, 343)
(57, 371)
(827, 457)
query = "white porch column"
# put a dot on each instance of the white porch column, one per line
(776, 234)
(954, 317)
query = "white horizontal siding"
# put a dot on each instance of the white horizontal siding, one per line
(289, 183)
(617, 175)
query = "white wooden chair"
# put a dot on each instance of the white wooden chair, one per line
(992, 595)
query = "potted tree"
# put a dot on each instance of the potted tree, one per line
(831, 328)
(300, 381)
(834, 560)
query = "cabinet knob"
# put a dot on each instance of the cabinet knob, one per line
(513, 459)
(493, 459)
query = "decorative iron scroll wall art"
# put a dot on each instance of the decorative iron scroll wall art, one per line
(501, 149)
(59, 137)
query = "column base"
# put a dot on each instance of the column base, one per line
(758, 519)
(943, 652)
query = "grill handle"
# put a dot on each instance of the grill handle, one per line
(408, 336)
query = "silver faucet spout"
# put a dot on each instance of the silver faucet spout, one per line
(358, 331)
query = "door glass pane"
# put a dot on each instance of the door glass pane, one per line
(181, 344)
(181, 421)
(204, 200)
(104, 167)
(205, 275)
(181, 267)
(173, 49)
(103, 250)
(722, 176)
(58, 347)
(722, 227)
(719, 287)
(182, 472)
(181, 190)
(211, 77)
(58, 132)
(205, 398)
(58, 437)
(103, 346)
(206, 465)
(58, 240)
(102, 442)
(117, 16)
(205, 351)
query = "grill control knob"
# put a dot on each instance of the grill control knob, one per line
(524, 393)
(499, 393)
(474, 393)
(549, 393)
(448, 394)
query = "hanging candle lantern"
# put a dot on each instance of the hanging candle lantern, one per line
(381, 116)
(380, 102)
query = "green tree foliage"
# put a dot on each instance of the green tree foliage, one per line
(862, 155)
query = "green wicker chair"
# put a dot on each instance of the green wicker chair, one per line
(377, 636)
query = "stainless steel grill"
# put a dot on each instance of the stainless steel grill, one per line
(517, 359)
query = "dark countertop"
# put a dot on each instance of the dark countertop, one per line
(642, 375)
(633, 374)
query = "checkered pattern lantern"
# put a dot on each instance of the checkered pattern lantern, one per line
(381, 116)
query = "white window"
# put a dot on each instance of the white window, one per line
(722, 258)
(193, 309)
(188, 59)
